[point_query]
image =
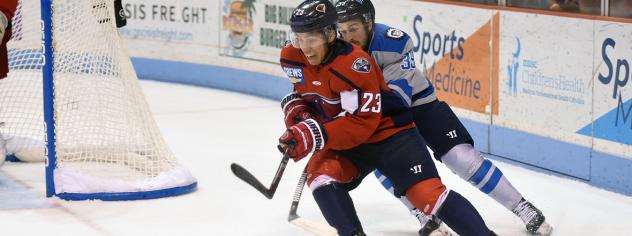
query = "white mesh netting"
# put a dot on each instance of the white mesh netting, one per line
(106, 137)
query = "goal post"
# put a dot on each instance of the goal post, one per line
(48, 95)
(90, 118)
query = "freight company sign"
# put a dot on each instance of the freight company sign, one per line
(185, 21)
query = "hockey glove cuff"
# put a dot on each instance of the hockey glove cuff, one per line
(295, 109)
(303, 138)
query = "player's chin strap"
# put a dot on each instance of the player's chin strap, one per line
(370, 33)
(332, 53)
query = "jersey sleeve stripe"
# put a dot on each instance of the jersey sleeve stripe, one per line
(424, 93)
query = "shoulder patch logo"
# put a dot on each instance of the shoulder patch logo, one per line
(394, 33)
(361, 65)
(294, 74)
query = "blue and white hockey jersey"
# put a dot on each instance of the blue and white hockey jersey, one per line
(392, 49)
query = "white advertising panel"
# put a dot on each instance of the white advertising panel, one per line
(612, 127)
(545, 75)
(455, 52)
(184, 30)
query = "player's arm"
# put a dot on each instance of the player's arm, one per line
(361, 104)
(399, 69)
(294, 107)
(358, 120)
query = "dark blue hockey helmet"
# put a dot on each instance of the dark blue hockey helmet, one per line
(312, 15)
(354, 9)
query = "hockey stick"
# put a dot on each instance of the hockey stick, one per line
(297, 196)
(310, 226)
(250, 179)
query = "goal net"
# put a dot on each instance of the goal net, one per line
(84, 98)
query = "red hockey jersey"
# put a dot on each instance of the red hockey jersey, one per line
(348, 92)
(7, 7)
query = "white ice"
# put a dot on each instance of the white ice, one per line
(209, 129)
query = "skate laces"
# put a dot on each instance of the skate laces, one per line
(525, 211)
(423, 218)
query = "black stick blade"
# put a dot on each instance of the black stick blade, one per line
(250, 179)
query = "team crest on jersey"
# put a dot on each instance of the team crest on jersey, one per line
(394, 33)
(361, 65)
(294, 74)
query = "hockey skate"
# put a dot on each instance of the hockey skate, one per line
(533, 218)
(435, 227)
(358, 233)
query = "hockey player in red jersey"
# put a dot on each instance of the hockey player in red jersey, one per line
(342, 111)
(448, 138)
(7, 10)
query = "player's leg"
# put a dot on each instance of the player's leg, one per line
(413, 174)
(428, 223)
(388, 185)
(327, 174)
(470, 165)
(453, 146)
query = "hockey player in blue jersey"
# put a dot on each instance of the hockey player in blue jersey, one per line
(451, 143)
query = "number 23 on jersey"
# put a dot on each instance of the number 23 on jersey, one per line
(368, 103)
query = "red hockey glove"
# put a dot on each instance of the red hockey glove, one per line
(295, 109)
(301, 139)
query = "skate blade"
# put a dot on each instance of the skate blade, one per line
(443, 230)
(544, 230)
